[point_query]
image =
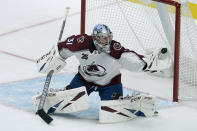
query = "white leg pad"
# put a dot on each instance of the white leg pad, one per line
(66, 101)
(148, 105)
(126, 109)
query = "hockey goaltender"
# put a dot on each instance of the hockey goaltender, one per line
(101, 59)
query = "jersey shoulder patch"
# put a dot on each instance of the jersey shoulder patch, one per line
(76, 43)
(116, 49)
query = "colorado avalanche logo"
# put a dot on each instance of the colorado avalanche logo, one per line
(117, 46)
(81, 39)
(94, 70)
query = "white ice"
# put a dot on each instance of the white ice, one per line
(20, 49)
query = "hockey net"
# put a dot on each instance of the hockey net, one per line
(138, 26)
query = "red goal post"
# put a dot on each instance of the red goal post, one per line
(176, 11)
(176, 44)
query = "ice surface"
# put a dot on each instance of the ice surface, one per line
(19, 79)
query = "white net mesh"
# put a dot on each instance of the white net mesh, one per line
(137, 26)
(188, 56)
(130, 22)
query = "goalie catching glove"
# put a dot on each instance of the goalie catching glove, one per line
(50, 61)
(160, 61)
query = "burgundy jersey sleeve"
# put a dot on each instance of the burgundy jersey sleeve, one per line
(117, 50)
(76, 43)
(140, 56)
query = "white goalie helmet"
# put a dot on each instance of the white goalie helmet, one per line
(102, 37)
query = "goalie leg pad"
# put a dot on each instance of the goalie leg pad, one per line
(112, 111)
(126, 109)
(66, 101)
(147, 106)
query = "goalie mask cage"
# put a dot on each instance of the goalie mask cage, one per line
(141, 25)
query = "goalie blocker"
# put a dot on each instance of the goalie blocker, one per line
(50, 61)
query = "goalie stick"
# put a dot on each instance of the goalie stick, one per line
(40, 110)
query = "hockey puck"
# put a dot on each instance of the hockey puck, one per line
(164, 50)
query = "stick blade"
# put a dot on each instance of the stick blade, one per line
(44, 116)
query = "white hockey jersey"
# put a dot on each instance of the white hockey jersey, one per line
(100, 69)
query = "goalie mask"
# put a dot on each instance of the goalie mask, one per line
(102, 37)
